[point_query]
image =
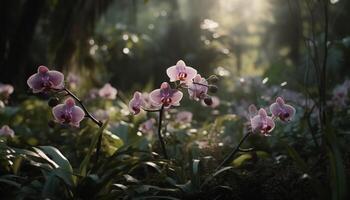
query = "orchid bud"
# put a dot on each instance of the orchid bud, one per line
(213, 88)
(53, 101)
(208, 101)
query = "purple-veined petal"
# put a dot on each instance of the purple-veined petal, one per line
(155, 97)
(57, 79)
(176, 98)
(172, 73)
(77, 115)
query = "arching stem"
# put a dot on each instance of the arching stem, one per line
(160, 137)
(231, 155)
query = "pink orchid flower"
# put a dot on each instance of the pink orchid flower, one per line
(198, 91)
(73, 80)
(68, 113)
(147, 126)
(340, 94)
(166, 96)
(184, 117)
(136, 103)
(101, 115)
(262, 123)
(6, 90)
(108, 92)
(281, 110)
(45, 79)
(181, 72)
(6, 131)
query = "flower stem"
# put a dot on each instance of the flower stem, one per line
(89, 115)
(230, 156)
(162, 144)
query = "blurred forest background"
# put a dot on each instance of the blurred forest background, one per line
(130, 43)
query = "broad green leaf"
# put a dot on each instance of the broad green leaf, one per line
(57, 157)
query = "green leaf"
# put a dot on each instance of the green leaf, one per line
(57, 157)
(338, 176)
(241, 159)
(301, 164)
(195, 178)
(85, 163)
(50, 187)
(5, 180)
(156, 197)
(145, 188)
(112, 142)
(215, 174)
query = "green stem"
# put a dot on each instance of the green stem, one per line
(230, 156)
(162, 144)
(89, 115)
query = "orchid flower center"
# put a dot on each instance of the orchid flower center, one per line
(265, 128)
(66, 117)
(182, 76)
(284, 115)
(166, 101)
(136, 108)
(46, 83)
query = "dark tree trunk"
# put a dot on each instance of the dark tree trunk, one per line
(17, 47)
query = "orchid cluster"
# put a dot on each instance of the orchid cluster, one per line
(183, 77)
(264, 124)
(67, 113)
